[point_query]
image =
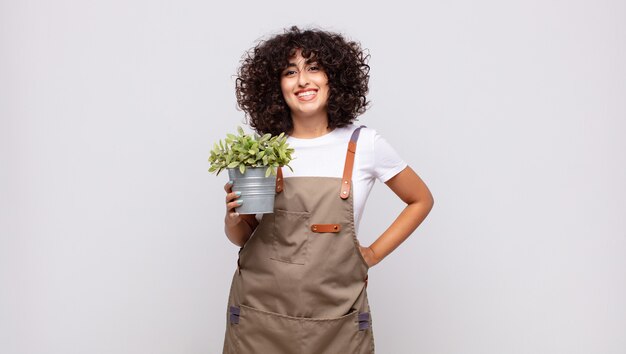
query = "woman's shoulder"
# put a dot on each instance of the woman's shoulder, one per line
(368, 134)
(366, 131)
(366, 128)
(366, 138)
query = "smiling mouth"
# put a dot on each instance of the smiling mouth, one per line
(307, 95)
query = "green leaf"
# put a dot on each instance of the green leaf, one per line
(250, 150)
(265, 137)
(268, 172)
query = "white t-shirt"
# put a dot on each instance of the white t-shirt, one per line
(325, 156)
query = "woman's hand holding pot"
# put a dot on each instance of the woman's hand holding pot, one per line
(232, 217)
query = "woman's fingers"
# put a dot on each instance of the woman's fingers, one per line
(232, 195)
(232, 205)
(232, 216)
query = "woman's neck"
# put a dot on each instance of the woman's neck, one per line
(309, 127)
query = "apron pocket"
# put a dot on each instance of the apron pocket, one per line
(290, 236)
(261, 331)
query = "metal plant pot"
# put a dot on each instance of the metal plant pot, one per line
(257, 191)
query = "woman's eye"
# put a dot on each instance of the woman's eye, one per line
(312, 68)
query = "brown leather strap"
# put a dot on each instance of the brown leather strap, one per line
(326, 227)
(346, 181)
(279, 180)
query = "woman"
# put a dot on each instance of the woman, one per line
(300, 284)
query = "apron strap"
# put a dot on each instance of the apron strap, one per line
(347, 169)
(234, 314)
(349, 164)
(364, 320)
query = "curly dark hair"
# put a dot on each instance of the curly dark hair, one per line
(258, 87)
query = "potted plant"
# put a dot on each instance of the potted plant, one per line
(252, 162)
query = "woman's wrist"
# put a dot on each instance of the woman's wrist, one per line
(369, 255)
(237, 230)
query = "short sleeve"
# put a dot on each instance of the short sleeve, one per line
(387, 162)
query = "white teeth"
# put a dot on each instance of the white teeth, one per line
(307, 93)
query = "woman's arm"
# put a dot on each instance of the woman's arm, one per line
(413, 191)
(240, 231)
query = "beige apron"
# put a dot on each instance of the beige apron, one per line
(300, 284)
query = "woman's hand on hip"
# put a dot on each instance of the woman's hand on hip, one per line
(369, 256)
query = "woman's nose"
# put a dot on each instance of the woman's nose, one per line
(303, 79)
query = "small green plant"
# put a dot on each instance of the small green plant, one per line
(247, 150)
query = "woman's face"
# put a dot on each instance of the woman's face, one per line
(305, 86)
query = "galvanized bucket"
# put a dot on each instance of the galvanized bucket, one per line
(257, 191)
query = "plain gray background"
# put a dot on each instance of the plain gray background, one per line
(511, 111)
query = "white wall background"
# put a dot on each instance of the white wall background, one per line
(512, 112)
